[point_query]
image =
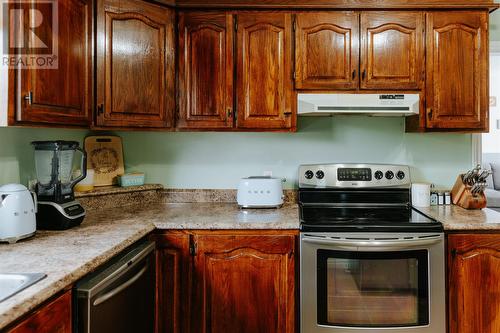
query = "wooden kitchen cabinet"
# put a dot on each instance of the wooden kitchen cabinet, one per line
(474, 283)
(457, 70)
(326, 50)
(264, 85)
(54, 317)
(205, 70)
(135, 64)
(392, 50)
(173, 276)
(63, 95)
(226, 281)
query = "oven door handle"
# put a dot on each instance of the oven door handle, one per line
(378, 244)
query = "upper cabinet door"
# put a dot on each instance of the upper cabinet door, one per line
(265, 96)
(136, 64)
(457, 70)
(327, 50)
(392, 50)
(59, 96)
(205, 70)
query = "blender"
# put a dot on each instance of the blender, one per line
(54, 165)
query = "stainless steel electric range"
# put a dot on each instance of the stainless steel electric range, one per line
(369, 261)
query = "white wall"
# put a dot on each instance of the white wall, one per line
(491, 141)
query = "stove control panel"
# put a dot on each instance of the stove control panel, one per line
(353, 175)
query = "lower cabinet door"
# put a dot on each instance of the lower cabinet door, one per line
(474, 283)
(243, 283)
(173, 271)
(55, 317)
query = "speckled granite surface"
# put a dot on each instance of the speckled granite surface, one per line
(113, 196)
(67, 256)
(455, 218)
(202, 195)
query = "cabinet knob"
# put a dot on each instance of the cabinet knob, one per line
(363, 76)
(229, 112)
(353, 74)
(100, 109)
(429, 112)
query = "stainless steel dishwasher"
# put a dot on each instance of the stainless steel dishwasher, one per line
(121, 296)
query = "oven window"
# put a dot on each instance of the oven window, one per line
(373, 289)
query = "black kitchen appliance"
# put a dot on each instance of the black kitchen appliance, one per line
(369, 260)
(119, 297)
(55, 171)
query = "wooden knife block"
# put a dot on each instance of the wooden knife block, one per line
(461, 196)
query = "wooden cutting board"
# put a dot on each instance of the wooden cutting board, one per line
(105, 156)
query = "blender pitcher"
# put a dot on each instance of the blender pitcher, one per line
(54, 161)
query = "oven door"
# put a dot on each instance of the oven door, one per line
(372, 282)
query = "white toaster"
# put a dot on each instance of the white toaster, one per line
(260, 192)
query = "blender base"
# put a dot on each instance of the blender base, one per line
(54, 216)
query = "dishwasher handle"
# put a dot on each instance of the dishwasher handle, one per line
(120, 288)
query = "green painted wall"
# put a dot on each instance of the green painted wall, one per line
(495, 24)
(218, 160)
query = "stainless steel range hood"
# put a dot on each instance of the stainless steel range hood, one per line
(367, 104)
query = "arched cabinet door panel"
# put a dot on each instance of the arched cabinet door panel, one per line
(474, 288)
(264, 85)
(457, 70)
(326, 50)
(244, 283)
(205, 70)
(136, 64)
(392, 50)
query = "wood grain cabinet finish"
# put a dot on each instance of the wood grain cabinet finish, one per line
(205, 70)
(392, 50)
(326, 50)
(54, 317)
(457, 70)
(244, 283)
(60, 96)
(135, 64)
(264, 84)
(474, 283)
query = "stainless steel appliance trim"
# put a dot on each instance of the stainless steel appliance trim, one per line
(375, 244)
(308, 283)
(120, 288)
(330, 176)
(128, 264)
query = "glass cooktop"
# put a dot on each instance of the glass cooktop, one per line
(361, 210)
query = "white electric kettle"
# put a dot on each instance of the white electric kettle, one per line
(17, 213)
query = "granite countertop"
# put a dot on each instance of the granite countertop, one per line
(67, 256)
(455, 218)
